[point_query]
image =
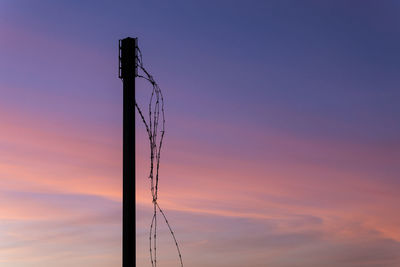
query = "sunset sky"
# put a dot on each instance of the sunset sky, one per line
(282, 145)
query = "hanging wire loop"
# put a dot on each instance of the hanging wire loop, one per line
(155, 128)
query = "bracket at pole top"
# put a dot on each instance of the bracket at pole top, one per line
(127, 58)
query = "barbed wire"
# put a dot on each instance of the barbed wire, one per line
(155, 110)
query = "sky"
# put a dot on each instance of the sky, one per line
(282, 144)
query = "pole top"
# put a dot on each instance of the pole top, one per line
(127, 58)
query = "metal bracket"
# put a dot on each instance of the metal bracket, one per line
(127, 56)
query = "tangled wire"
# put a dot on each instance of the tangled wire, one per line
(156, 115)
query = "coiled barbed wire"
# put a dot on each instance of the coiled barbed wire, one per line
(156, 109)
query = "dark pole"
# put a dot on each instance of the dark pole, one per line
(127, 72)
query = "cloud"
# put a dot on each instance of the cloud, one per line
(40, 228)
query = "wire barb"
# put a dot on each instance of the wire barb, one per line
(155, 110)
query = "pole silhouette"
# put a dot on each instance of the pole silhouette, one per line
(128, 72)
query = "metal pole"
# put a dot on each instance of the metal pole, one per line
(127, 72)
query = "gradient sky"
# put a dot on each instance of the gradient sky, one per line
(283, 137)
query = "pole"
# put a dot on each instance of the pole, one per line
(127, 72)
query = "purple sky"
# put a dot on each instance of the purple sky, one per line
(282, 146)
